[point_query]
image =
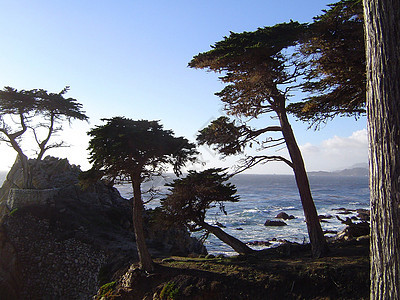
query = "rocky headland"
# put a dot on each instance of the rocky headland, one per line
(61, 241)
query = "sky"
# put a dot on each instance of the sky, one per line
(129, 58)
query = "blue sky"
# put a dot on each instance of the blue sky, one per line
(129, 58)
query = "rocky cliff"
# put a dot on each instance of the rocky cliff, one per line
(60, 241)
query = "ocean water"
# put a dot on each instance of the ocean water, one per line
(262, 197)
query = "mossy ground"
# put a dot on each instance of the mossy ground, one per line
(284, 273)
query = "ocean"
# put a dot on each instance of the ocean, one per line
(262, 197)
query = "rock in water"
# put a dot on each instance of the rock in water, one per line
(284, 216)
(67, 245)
(274, 223)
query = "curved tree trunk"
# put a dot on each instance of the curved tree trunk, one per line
(382, 32)
(233, 242)
(319, 246)
(145, 260)
(27, 184)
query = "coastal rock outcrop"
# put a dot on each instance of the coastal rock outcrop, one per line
(62, 241)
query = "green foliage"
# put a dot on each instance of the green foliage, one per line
(123, 148)
(106, 290)
(170, 291)
(190, 197)
(334, 63)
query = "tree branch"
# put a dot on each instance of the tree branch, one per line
(251, 161)
(15, 135)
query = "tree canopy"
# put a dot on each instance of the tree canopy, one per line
(123, 147)
(38, 112)
(252, 64)
(191, 197)
(332, 55)
(328, 65)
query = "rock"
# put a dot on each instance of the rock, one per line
(259, 243)
(354, 230)
(18, 198)
(274, 223)
(284, 216)
(324, 217)
(363, 214)
(10, 271)
(348, 220)
(344, 211)
(85, 233)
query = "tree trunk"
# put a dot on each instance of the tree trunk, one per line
(43, 144)
(26, 171)
(233, 242)
(319, 247)
(382, 33)
(145, 260)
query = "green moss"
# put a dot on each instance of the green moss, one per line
(169, 291)
(106, 290)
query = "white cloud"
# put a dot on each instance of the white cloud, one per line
(337, 152)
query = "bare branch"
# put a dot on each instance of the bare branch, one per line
(251, 161)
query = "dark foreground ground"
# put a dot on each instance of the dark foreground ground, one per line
(287, 272)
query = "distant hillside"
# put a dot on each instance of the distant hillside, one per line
(358, 171)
